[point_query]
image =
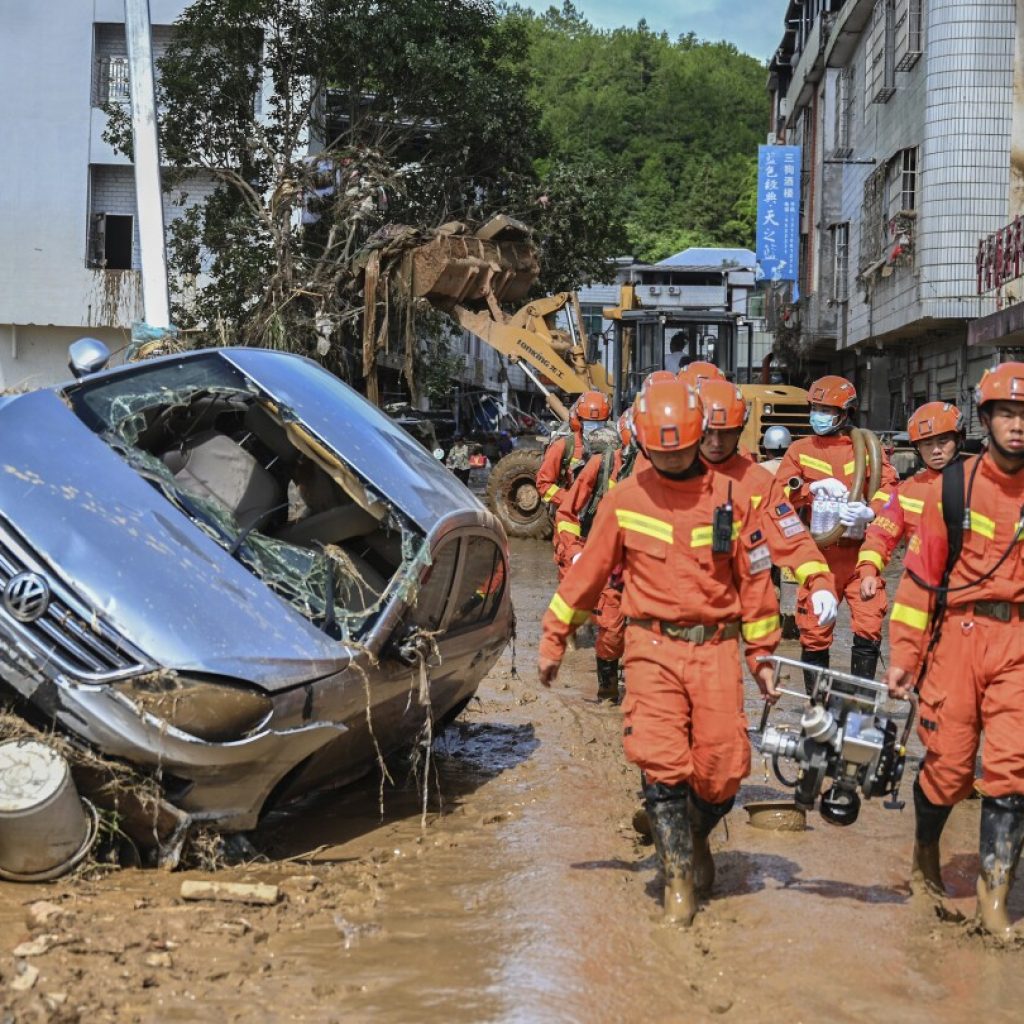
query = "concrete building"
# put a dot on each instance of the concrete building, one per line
(69, 253)
(904, 110)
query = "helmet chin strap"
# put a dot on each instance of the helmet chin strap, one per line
(695, 469)
(1017, 458)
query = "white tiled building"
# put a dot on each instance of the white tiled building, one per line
(904, 110)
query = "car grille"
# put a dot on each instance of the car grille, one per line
(68, 634)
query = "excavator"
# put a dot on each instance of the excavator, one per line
(474, 275)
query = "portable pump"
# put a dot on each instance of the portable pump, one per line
(844, 735)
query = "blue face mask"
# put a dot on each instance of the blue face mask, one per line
(823, 422)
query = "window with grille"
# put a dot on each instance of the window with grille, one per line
(909, 38)
(902, 184)
(880, 68)
(840, 261)
(844, 114)
(874, 219)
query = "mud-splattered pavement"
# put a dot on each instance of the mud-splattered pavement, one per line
(527, 899)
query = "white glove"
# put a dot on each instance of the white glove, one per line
(825, 606)
(830, 488)
(854, 513)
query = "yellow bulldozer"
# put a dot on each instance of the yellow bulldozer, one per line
(474, 275)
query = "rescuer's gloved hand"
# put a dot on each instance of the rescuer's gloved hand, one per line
(853, 513)
(825, 606)
(831, 488)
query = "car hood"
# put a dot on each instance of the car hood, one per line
(147, 569)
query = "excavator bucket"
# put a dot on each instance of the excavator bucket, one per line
(457, 268)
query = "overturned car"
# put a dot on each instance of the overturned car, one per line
(228, 570)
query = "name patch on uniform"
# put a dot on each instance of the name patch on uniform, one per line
(791, 525)
(783, 509)
(760, 559)
(755, 537)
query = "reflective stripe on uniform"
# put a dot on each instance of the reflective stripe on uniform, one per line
(802, 572)
(983, 525)
(573, 528)
(819, 464)
(915, 505)
(849, 468)
(701, 536)
(647, 525)
(551, 492)
(881, 496)
(760, 628)
(873, 557)
(912, 617)
(565, 614)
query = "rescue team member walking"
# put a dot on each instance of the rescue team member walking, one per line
(565, 454)
(573, 520)
(960, 610)
(937, 432)
(695, 577)
(823, 464)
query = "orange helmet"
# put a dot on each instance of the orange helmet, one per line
(592, 406)
(626, 429)
(724, 405)
(934, 418)
(694, 373)
(834, 391)
(657, 375)
(1004, 382)
(668, 417)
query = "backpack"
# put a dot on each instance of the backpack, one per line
(600, 490)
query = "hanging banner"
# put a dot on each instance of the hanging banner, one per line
(778, 213)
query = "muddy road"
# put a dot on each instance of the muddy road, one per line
(526, 897)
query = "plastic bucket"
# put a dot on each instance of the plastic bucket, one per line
(44, 828)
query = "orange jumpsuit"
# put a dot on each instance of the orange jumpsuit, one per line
(897, 519)
(818, 458)
(569, 541)
(798, 552)
(974, 678)
(683, 718)
(552, 482)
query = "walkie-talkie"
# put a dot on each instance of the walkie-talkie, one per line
(721, 529)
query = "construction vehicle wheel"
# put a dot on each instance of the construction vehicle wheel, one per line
(512, 495)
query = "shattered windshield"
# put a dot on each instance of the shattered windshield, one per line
(252, 477)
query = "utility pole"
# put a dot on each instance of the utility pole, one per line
(148, 189)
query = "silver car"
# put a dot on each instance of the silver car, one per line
(225, 569)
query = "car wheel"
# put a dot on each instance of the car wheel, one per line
(513, 497)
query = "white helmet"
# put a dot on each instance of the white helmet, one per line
(777, 439)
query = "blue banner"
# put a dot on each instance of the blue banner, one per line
(778, 213)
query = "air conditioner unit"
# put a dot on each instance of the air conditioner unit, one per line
(673, 289)
(654, 289)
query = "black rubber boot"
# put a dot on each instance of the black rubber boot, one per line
(703, 819)
(819, 658)
(929, 821)
(1002, 835)
(668, 808)
(607, 680)
(864, 657)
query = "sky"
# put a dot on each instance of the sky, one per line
(754, 26)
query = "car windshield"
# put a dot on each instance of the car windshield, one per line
(249, 474)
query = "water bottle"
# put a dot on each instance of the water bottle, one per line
(824, 513)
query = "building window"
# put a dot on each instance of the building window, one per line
(874, 218)
(908, 33)
(110, 241)
(902, 175)
(840, 261)
(844, 114)
(880, 68)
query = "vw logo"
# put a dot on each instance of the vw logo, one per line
(26, 596)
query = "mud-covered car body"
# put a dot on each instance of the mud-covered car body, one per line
(224, 568)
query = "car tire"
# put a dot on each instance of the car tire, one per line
(512, 495)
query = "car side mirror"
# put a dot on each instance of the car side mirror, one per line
(87, 355)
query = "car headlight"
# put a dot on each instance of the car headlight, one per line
(211, 709)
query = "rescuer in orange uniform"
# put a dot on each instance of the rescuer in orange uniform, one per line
(557, 469)
(937, 432)
(824, 463)
(971, 636)
(695, 577)
(572, 526)
(726, 412)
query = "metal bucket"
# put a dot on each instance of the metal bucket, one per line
(44, 828)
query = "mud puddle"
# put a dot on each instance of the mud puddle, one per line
(525, 898)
